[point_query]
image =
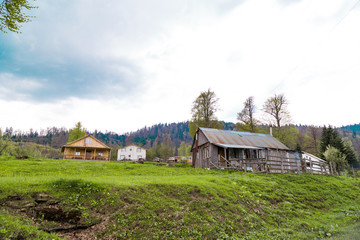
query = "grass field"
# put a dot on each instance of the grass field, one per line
(54, 199)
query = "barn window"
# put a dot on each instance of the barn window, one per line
(77, 153)
(88, 140)
(100, 154)
(206, 153)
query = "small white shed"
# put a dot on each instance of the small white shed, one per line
(131, 152)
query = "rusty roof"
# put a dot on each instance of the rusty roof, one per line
(242, 139)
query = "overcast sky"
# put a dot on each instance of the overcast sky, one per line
(122, 65)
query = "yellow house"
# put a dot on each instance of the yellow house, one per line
(86, 148)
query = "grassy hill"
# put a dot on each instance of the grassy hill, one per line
(54, 199)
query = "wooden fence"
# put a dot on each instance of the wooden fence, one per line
(274, 164)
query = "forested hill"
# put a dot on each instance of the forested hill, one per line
(57, 137)
(355, 128)
(306, 136)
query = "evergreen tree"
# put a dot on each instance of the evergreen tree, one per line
(351, 156)
(77, 132)
(330, 137)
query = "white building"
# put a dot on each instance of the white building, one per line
(131, 152)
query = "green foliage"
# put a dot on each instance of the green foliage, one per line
(288, 135)
(184, 149)
(13, 227)
(5, 143)
(330, 137)
(12, 14)
(351, 156)
(162, 150)
(77, 132)
(157, 202)
(335, 156)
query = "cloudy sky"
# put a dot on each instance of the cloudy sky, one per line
(122, 65)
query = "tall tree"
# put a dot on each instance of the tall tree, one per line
(351, 156)
(246, 116)
(12, 14)
(77, 132)
(277, 107)
(315, 135)
(4, 143)
(330, 137)
(203, 112)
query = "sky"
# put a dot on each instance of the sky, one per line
(121, 65)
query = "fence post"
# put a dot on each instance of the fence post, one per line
(266, 161)
(282, 164)
(298, 165)
(311, 166)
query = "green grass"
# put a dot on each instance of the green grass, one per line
(153, 201)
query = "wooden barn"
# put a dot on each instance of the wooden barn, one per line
(86, 148)
(256, 152)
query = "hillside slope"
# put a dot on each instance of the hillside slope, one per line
(116, 200)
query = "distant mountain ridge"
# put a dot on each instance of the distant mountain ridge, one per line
(146, 136)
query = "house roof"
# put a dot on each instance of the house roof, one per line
(235, 139)
(81, 144)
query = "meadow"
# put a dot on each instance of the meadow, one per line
(64, 199)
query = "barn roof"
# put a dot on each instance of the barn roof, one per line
(235, 139)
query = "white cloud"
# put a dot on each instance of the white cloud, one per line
(307, 50)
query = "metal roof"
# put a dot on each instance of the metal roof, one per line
(234, 139)
(235, 146)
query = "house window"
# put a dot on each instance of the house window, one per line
(100, 154)
(122, 157)
(138, 150)
(88, 140)
(77, 153)
(130, 149)
(129, 156)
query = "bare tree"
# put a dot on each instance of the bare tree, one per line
(246, 116)
(277, 107)
(203, 112)
(315, 134)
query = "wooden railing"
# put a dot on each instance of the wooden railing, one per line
(273, 164)
(83, 157)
